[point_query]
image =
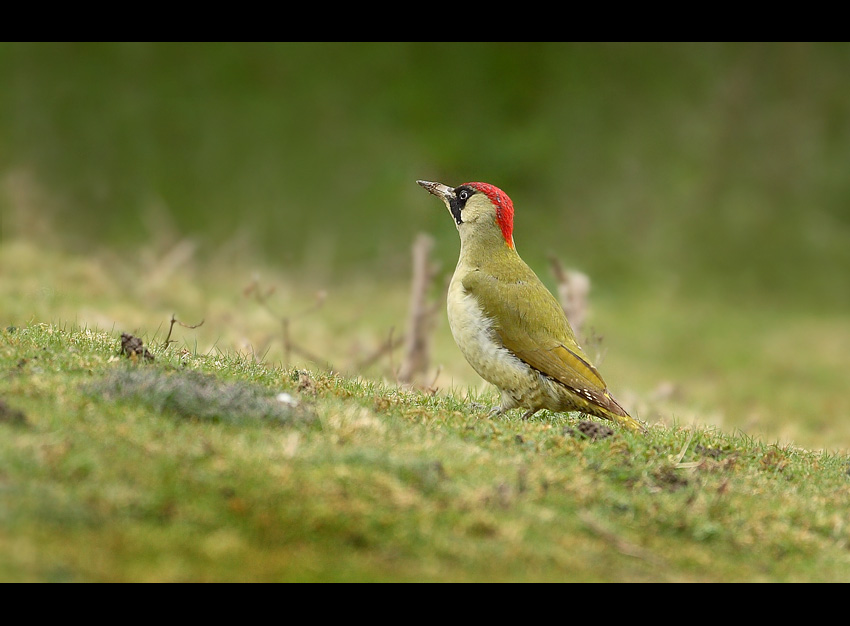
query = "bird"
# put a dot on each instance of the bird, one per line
(508, 325)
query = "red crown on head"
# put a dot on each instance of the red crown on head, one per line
(504, 208)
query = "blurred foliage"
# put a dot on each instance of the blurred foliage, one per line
(713, 169)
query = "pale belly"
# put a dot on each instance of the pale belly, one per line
(521, 386)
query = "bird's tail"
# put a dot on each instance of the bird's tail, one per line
(616, 413)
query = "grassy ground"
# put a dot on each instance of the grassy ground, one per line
(193, 467)
(702, 187)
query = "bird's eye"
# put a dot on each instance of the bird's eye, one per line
(463, 195)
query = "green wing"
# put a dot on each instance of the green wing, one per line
(532, 325)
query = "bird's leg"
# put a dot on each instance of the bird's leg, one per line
(529, 413)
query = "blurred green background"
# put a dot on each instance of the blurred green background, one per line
(704, 188)
(710, 168)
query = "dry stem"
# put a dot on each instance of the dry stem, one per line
(421, 315)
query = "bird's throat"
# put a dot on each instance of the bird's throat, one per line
(488, 251)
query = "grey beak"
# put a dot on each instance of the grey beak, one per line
(444, 192)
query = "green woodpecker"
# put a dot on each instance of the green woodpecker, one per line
(509, 327)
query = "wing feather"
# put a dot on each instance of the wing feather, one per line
(532, 325)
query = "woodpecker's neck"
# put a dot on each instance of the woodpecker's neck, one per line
(486, 249)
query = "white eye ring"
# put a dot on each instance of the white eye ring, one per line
(463, 195)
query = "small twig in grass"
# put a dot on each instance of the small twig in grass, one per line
(289, 346)
(174, 321)
(386, 347)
